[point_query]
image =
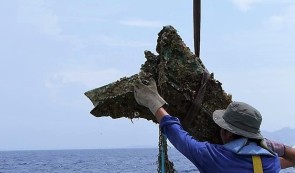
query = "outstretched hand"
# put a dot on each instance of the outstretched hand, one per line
(286, 153)
(148, 96)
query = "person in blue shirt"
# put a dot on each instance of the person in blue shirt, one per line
(244, 149)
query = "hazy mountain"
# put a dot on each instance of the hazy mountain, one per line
(285, 135)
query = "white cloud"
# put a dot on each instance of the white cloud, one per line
(113, 41)
(141, 23)
(82, 76)
(284, 20)
(245, 5)
(271, 80)
(81, 19)
(39, 15)
(278, 2)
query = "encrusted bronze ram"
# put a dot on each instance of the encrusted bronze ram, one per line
(183, 81)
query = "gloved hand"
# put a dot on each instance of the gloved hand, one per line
(276, 147)
(148, 96)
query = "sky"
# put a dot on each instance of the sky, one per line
(52, 51)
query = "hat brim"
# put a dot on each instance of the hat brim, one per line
(218, 119)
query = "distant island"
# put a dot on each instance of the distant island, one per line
(285, 135)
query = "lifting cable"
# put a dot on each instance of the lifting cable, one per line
(164, 165)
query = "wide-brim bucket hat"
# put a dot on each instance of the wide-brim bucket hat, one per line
(241, 119)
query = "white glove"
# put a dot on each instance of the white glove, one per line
(148, 96)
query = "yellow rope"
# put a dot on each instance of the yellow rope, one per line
(257, 165)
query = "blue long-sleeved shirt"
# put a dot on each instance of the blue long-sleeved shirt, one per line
(233, 157)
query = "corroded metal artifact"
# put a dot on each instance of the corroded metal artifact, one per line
(182, 80)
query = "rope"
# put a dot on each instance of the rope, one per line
(164, 165)
(197, 102)
(164, 140)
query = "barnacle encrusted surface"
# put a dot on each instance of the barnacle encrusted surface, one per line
(178, 73)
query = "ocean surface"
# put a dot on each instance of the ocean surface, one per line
(92, 161)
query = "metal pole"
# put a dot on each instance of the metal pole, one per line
(197, 25)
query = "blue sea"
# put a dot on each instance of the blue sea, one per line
(92, 161)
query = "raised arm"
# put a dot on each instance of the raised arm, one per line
(148, 96)
(286, 153)
(288, 159)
